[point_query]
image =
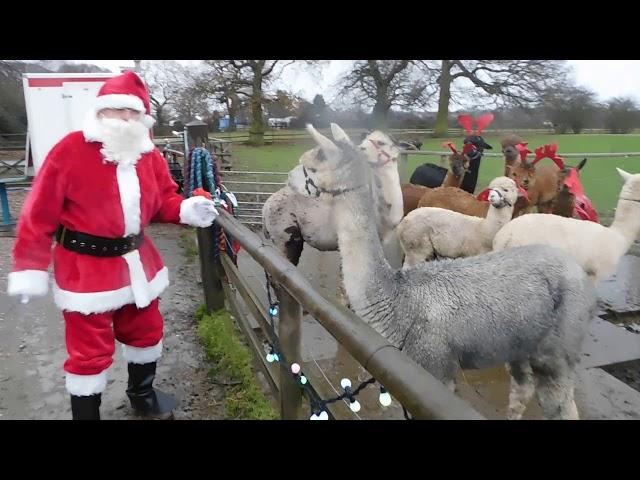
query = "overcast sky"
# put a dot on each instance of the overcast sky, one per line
(608, 78)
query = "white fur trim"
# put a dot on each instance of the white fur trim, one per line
(148, 121)
(115, 100)
(85, 385)
(143, 355)
(189, 214)
(129, 188)
(139, 284)
(99, 302)
(28, 282)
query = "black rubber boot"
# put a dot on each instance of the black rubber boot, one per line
(86, 408)
(145, 399)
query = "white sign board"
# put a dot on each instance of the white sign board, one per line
(56, 105)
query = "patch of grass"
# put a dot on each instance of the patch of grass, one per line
(232, 361)
(188, 243)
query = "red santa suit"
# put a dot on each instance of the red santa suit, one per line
(84, 187)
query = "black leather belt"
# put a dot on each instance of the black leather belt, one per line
(97, 246)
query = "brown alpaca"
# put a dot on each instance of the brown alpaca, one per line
(511, 152)
(463, 202)
(411, 195)
(565, 201)
(541, 182)
(458, 166)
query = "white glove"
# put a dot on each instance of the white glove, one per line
(24, 299)
(198, 212)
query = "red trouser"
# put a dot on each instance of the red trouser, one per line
(91, 338)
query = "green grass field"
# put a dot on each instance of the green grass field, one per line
(601, 181)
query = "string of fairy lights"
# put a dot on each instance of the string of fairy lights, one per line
(318, 405)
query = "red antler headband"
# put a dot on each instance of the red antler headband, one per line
(549, 151)
(481, 123)
(523, 150)
(451, 146)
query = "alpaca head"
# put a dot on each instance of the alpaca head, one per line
(631, 187)
(524, 174)
(382, 151)
(337, 167)
(509, 149)
(474, 137)
(459, 161)
(502, 192)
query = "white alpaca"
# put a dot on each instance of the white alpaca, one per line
(597, 249)
(428, 231)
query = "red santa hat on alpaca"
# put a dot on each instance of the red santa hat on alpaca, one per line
(126, 91)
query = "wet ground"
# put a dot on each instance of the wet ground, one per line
(32, 346)
(608, 379)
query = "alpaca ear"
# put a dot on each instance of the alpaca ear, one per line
(327, 146)
(626, 176)
(339, 135)
(581, 164)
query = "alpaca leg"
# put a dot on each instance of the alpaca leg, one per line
(555, 390)
(522, 388)
(342, 297)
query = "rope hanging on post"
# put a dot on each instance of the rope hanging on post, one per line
(204, 174)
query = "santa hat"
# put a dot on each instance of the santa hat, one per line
(126, 91)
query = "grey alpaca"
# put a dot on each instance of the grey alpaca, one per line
(526, 307)
(293, 216)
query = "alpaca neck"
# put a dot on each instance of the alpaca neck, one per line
(627, 220)
(451, 180)
(470, 179)
(367, 274)
(391, 191)
(496, 219)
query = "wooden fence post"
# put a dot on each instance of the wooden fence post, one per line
(289, 331)
(403, 168)
(210, 267)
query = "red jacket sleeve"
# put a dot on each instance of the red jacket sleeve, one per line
(169, 211)
(40, 214)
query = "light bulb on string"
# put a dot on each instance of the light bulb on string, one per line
(355, 406)
(303, 380)
(384, 398)
(345, 383)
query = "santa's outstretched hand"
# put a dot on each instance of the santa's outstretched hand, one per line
(198, 212)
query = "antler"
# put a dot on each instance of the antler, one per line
(523, 150)
(549, 151)
(483, 121)
(450, 145)
(467, 122)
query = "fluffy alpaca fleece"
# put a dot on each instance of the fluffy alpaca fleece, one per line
(528, 307)
(597, 249)
(429, 232)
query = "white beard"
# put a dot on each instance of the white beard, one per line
(123, 142)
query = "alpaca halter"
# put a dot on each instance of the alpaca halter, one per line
(308, 181)
(504, 201)
(381, 152)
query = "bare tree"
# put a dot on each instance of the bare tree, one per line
(249, 80)
(569, 107)
(621, 115)
(385, 84)
(501, 82)
(165, 80)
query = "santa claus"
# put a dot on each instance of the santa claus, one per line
(96, 192)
